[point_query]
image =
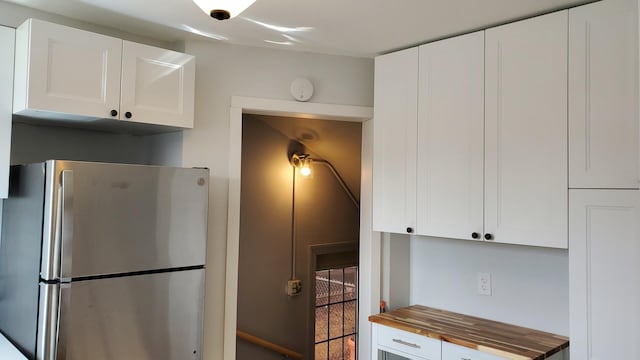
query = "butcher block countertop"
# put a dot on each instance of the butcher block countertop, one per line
(510, 341)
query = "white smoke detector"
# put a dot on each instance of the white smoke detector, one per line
(301, 89)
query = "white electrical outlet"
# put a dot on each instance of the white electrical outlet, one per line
(294, 287)
(484, 284)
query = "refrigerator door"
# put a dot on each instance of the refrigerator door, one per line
(20, 256)
(143, 317)
(104, 219)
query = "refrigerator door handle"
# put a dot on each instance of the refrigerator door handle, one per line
(48, 323)
(64, 315)
(66, 226)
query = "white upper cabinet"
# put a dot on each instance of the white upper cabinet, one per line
(526, 132)
(66, 71)
(603, 96)
(157, 85)
(450, 161)
(67, 74)
(394, 138)
(604, 274)
(7, 42)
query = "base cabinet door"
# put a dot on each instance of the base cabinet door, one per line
(604, 272)
(394, 136)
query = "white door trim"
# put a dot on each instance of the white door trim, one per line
(369, 241)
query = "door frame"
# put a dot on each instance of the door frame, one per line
(369, 240)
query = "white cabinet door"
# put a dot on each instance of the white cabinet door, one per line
(394, 136)
(603, 96)
(526, 132)
(451, 138)
(66, 71)
(157, 86)
(604, 274)
(7, 43)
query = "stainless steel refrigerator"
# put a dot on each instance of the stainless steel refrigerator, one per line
(104, 261)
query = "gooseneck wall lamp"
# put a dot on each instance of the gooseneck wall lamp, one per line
(303, 163)
(223, 9)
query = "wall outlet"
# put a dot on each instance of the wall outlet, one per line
(484, 284)
(294, 287)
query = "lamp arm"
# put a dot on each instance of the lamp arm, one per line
(340, 181)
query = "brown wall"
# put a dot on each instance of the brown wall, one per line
(324, 214)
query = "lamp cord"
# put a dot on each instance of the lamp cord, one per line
(293, 227)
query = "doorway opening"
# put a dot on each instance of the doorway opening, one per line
(240, 107)
(283, 214)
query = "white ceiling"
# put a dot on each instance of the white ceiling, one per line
(346, 27)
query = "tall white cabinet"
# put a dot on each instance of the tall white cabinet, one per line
(450, 160)
(604, 273)
(394, 136)
(7, 43)
(526, 132)
(604, 213)
(603, 96)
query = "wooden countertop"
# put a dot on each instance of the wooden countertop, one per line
(510, 341)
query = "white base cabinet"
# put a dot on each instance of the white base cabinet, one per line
(456, 352)
(604, 273)
(67, 74)
(7, 42)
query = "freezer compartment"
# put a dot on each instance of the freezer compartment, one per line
(145, 317)
(114, 219)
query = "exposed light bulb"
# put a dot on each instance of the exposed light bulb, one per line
(305, 170)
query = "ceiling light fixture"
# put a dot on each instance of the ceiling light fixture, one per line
(223, 9)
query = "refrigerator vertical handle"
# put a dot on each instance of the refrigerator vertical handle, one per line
(48, 323)
(66, 225)
(63, 321)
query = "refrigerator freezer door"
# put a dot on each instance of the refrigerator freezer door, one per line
(125, 218)
(143, 317)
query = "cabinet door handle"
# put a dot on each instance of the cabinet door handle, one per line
(465, 358)
(128, 115)
(475, 235)
(409, 230)
(114, 112)
(488, 236)
(402, 342)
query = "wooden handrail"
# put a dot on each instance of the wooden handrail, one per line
(268, 345)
